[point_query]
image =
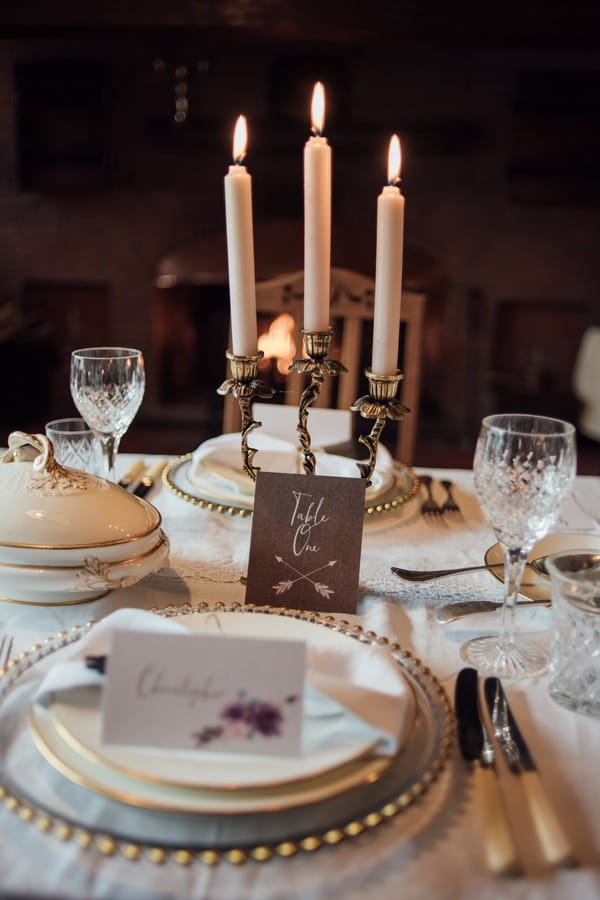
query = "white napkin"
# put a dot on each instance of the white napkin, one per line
(359, 693)
(220, 457)
(216, 463)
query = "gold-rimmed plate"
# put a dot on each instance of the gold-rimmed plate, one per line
(403, 488)
(536, 585)
(213, 778)
(31, 784)
(76, 716)
(104, 778)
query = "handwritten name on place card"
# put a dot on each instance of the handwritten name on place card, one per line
(210, 692)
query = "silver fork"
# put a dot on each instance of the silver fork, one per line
(430, 509)
(6, 645)
(450, 506)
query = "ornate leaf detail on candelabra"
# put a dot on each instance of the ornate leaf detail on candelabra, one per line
(374, 409)
(253, 388)
(320, 366)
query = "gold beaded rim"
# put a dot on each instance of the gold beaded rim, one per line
(384, 504)
(108, 845)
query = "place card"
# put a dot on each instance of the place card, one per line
(306, 541)
(212, 692)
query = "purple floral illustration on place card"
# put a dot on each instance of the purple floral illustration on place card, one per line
(244, 719)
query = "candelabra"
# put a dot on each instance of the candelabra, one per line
(245, 387)
(317, 345)
(380, 404)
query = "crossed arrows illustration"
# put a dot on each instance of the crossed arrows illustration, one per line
(322, 589)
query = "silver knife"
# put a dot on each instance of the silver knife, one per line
(551, 834)
(476, 747)
(460, 608)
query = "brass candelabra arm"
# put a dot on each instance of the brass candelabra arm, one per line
(246, 387)
(317, 346)
(380, 404)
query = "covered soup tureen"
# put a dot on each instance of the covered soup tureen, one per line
(66, 536)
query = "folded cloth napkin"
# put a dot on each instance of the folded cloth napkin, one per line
(352, 692)
(216, 463)
(220, 458)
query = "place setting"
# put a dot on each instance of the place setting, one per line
(258, 729)
(374, 730)
(302, 705)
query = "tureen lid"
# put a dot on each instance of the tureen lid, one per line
(45, 504)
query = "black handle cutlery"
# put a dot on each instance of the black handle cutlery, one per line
(478, 744)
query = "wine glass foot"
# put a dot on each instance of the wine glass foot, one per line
(519, 660)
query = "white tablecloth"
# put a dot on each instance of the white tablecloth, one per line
(434, 849)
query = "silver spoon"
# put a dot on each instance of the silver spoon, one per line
(592, 560)
(417, 575)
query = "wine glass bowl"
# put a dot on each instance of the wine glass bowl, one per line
(107, 386)
(523, 471)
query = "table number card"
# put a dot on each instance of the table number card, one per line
(306, 542)
(207, 692)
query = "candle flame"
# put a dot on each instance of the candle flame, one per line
(240, 139)
(394, 160)
(317, 109)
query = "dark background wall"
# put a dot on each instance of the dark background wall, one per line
(499, 118)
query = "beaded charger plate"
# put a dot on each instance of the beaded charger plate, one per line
(39, 793)
(403, 487)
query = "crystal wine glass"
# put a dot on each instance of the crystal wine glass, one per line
(107, 386)
(523, 469)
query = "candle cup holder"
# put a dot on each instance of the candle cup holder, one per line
(379, 404)
(246, 387)
(317, 347)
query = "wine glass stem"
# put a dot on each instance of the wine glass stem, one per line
(514, 566)
(110, 446)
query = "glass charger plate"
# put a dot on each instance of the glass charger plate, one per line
(536, 585)
(403, 488)
(37, 792)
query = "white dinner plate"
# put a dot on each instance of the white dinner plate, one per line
(68, 734)
(78, 718)
(103, 778)
(536, 585)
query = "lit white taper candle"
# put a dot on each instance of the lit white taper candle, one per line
(317, 219)
(388, 269)
(240, 248)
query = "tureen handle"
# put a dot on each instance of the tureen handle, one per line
(44, 458)
(47, 474)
